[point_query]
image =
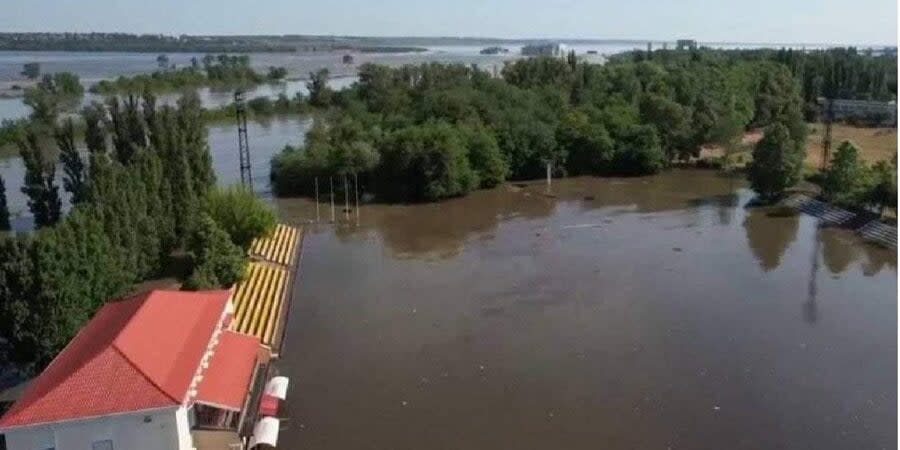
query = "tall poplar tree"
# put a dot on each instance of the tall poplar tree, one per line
(40, 183)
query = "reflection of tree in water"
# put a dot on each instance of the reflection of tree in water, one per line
(670, 191)
(769, 235)
(837, 250)
(439, 230)
(724, 204)
(840, 248)
(877, 258)
(810, 308)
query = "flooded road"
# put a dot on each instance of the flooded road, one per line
(637, 313)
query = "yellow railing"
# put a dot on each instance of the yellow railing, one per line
(259, 299)
(279, 247)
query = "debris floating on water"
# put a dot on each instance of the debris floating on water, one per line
(583, 225)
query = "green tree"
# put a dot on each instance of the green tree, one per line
(31, 70)
(778, 101)
(777, 163)
(4, 207)
(671, 122)
(427, 162)
(40, 183)
(590, 147)
(238, 211)
(94, 134)
(74, 170)
(319, 92)
(484, 155)
(842, 180)
(879, 188)
(126, 125)
(276, 73)
(192, 129)
(125, 230)
(217, 261)
(53, 94)
(638, 152)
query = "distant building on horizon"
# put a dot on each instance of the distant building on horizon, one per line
(686, 44)
(867, 111)
(544, 49)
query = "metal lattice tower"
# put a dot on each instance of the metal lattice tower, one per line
(243, 143)
(826, 139)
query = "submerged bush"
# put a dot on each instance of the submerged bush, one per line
(217, 261)
(238, 211)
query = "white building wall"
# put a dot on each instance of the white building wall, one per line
(162, 430)
(183, 429)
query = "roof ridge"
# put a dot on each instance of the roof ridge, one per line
(115, 343)
(159, 388)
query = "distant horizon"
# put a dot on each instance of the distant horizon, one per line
(471, 38)
(767, 22)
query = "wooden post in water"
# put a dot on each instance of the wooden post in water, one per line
(356, 192)
(331, 182)
(548, 175)
(317, 199)
(346, 199)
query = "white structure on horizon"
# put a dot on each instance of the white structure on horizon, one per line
(545, 49)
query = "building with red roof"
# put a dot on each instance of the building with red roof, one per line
(143, 373)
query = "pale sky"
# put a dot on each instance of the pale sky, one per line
(760, 21)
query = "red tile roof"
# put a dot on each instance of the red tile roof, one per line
(227, 380)
(134, 354)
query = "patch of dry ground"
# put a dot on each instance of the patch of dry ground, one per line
(874, 144)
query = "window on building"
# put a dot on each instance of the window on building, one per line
(102, 445)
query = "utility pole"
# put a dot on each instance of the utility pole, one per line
(346, 199)
(243, 143)
(826, 139)
(331, 183)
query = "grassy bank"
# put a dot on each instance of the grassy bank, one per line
(874, 144)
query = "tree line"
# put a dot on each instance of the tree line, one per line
(125, 42)
(837, 73)
(143, 198)
(221, 70)
(63, 92)
(435, 130)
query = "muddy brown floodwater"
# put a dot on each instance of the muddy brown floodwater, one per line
(638, 313)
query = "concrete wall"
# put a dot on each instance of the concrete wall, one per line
(158, 430)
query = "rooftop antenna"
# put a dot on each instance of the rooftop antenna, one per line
(243, 143)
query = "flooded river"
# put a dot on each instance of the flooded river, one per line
(641, 313)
